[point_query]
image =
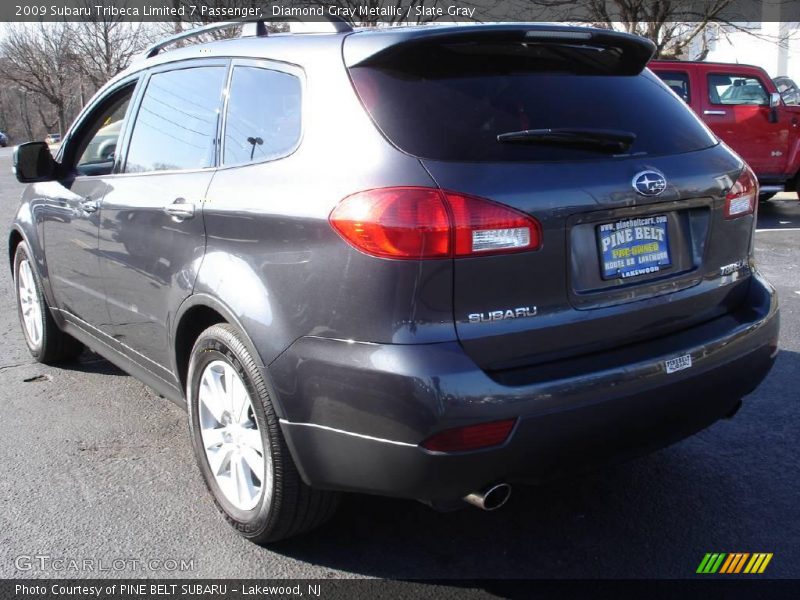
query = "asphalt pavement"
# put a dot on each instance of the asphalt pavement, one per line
(95, 466)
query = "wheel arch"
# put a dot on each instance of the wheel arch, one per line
(194, 320)
(197, 313)
(28, 226)
(15, 238)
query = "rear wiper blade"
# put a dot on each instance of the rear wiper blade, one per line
(613, 140)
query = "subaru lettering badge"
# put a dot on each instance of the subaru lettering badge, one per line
(649, 183)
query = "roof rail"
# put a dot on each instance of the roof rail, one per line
(252, 27)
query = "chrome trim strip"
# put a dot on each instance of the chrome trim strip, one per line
(351, 433)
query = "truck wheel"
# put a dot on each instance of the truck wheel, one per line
(239, 446)
(45, 341)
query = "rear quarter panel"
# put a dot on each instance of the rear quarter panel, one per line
(273, 258)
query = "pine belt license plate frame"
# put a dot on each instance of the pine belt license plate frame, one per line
(633, 247)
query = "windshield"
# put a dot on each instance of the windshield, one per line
(450, 104)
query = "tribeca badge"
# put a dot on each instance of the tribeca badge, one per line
(733, 563)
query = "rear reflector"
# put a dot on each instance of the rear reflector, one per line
(425, 223)
(743, 195)
(472, 437)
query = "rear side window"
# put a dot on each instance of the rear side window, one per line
(451, 101)
(678, 82)
(176, 125)
(263, 115)
(735, 89)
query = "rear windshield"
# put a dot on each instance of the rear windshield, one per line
(451, 101)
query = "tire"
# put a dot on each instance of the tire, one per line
(45, 341)
(286, 506)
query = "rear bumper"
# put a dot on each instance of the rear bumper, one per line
(353, 414)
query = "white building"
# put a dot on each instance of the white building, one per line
(774, 46)
(772, 43)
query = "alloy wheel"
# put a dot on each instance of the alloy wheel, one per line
(31, 307)
(231, 438)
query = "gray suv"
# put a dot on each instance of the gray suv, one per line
(417, 262)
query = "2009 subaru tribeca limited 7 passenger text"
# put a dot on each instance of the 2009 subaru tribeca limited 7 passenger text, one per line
(418, 262)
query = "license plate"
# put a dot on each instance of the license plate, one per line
(633, 247)
(678, 364)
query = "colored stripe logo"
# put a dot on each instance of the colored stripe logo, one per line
(734, 562)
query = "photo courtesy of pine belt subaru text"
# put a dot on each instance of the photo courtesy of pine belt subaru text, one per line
(409, 262)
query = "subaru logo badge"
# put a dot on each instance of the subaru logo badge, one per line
(649, 183)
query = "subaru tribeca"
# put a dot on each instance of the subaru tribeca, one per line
(417, 262)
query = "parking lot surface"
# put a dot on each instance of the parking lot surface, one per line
(94, 465)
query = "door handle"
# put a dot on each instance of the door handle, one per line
(89, 206)
(714, 112)
(180, 209)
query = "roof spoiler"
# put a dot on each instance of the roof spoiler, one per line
(382, 46)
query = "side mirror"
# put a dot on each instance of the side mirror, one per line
(33, 162)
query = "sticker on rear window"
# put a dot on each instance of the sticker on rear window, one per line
(678, 364)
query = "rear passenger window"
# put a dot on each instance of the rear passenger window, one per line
(263, 118)
(735, 89)
(176, 126)
(678, 82)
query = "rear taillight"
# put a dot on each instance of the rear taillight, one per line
(743, 195)
(483, 227)
(472, 437)
(424, 223)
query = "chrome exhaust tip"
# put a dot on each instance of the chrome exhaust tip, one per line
(490, 499)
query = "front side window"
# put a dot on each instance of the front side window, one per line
(263, 115)
(96, 143)
(736, 89)
(176, 125)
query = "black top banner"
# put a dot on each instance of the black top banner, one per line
(402, 11)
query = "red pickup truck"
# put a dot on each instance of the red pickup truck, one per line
(741, 104)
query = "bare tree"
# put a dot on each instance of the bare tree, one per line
(39, 60)
(673, 26)
(5, 101)
(25, 113)
(105, 45)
